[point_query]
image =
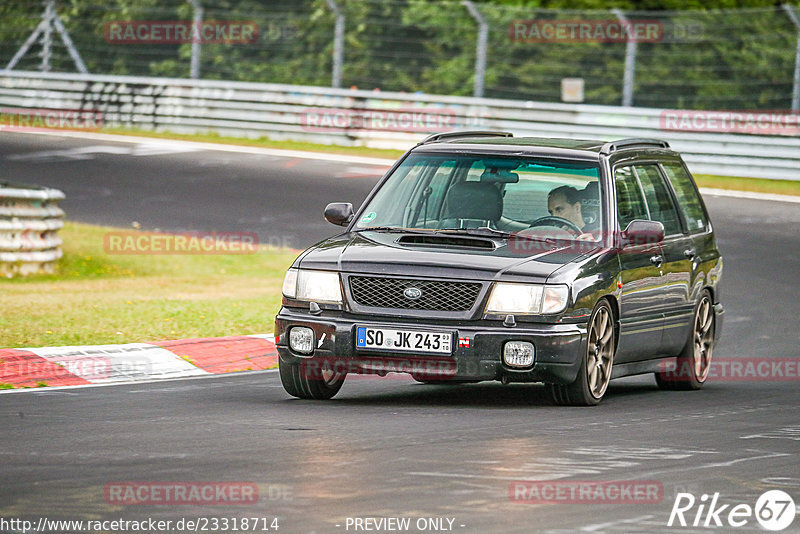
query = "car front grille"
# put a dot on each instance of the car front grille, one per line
(437, 295)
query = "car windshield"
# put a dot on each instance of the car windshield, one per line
(521, 195)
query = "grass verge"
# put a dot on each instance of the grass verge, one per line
(755, 185)
(98, 298)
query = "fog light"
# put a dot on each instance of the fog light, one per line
(518, 354)
(301, 339)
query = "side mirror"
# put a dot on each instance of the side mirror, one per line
(641, 232)
(339, 213)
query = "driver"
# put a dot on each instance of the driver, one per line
(565, 202)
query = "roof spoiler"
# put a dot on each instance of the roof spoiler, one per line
(632, 142)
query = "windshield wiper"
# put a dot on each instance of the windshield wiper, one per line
(394, 230)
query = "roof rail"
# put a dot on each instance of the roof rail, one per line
(468, 133)
(632, 142)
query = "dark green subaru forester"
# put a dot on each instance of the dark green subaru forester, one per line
(480, 256)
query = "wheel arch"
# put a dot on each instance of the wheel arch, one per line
(711, 292)
(614, 303)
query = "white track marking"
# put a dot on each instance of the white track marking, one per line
(361, 160)
(749, 195)
(132, 362)
(54, 389)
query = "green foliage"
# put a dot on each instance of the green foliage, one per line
(730, 54)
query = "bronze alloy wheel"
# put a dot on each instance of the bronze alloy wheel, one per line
(595, 371)
(600, 352)
(694, 362)
(703, 339)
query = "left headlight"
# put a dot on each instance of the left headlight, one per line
(316, 286)
(513, 298)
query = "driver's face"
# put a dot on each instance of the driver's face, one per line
(558, 206)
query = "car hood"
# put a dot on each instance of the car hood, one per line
(385, 253)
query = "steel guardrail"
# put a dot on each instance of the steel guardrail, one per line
(277, 111)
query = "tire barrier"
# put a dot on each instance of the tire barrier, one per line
(29, 222)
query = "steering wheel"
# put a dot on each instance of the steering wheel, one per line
(552, 220)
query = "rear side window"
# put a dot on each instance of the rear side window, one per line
(688, 199)
(659, 200)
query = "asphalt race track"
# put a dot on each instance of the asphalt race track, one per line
(391, 447)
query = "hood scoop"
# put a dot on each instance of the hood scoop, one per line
(447, 241)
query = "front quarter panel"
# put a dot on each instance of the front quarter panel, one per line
(590, 280)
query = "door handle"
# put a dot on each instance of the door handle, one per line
(657, 260)
(689, 253)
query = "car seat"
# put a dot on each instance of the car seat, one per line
(472, 205)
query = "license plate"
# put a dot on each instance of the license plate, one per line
(389, 339)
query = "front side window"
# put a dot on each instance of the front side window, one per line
(630, 199)
(513, 194)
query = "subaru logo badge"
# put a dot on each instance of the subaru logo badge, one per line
(412, 293)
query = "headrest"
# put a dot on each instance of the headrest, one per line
(474, 200)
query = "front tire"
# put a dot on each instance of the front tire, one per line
(595, 371)
(694, 362)
(308, 380)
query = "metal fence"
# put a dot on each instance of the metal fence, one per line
(711, 59)
(29, 222)
(380, 119)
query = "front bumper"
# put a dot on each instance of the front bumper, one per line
(477, 347)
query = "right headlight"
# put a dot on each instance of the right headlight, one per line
(526, 299)
(316, 286)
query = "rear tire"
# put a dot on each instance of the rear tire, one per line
(308, 382)
(694, 362)
(595, 371)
